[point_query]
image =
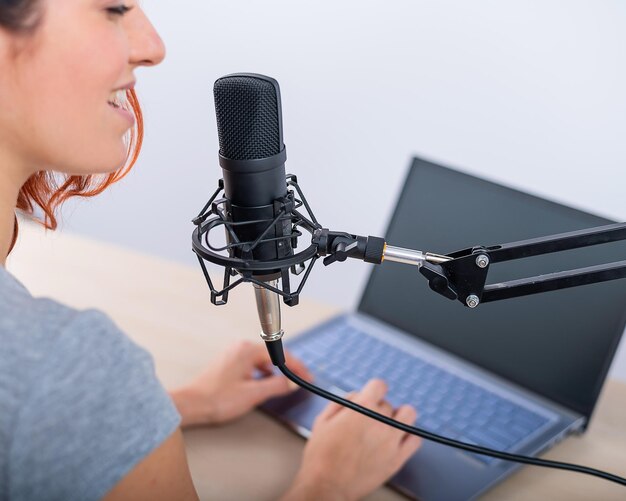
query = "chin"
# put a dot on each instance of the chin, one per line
(110, 159)
(90, 168)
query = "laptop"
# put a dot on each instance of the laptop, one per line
(516, 375)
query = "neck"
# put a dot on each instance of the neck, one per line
(13, 175)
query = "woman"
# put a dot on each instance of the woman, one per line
(82, 415)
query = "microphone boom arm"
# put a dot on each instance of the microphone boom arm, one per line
(466, 272)
(462, 275)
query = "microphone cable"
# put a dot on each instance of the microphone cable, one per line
(275, 350)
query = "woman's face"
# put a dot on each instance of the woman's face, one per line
(56, 84)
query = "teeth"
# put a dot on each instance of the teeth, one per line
(118, 98)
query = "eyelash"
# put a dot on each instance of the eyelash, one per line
(120, 10)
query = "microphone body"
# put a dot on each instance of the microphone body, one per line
(252, 156)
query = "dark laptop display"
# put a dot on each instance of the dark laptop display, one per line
(557, 344)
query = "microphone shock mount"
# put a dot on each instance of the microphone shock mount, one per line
(236, 257)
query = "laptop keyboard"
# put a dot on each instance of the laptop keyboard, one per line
(446, 403)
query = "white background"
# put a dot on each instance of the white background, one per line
(529, 93)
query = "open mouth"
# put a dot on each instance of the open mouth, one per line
(117, 99)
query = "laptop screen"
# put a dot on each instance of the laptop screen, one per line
(558, 344)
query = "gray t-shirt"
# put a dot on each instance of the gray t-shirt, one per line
(80, 404)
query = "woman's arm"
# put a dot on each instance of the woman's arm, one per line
(162, 475)
(194, 409)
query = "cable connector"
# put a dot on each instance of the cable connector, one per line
(275, 350)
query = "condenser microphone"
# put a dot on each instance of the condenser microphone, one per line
(252, 157)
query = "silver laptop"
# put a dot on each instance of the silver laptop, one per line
(516, 375)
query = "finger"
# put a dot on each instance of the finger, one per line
(405, 414)
(408, 442)
(258, 355)
(243, 347)
(238, 358)
(268, 387)
(384, 408)
(260, 358)
(267, 369)
(297, 366)
(409, 446)
(333, 408)
(372, 393)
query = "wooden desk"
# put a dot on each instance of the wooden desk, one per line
(165, 307)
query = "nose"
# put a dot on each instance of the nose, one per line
(146, 46)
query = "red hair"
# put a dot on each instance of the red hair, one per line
(43, 190)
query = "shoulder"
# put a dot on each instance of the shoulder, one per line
(27, 321)
(29, 330)
(40, 334)
(89, 405)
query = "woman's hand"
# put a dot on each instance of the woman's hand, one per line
(349, 455)
(227, 389)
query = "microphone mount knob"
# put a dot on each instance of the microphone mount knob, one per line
(341, 253)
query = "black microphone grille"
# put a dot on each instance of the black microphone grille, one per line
(249, 117)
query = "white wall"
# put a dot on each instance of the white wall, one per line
(530, 93)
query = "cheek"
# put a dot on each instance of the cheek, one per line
(83, 136)
(78, 132)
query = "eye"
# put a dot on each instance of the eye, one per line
(119, 10)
